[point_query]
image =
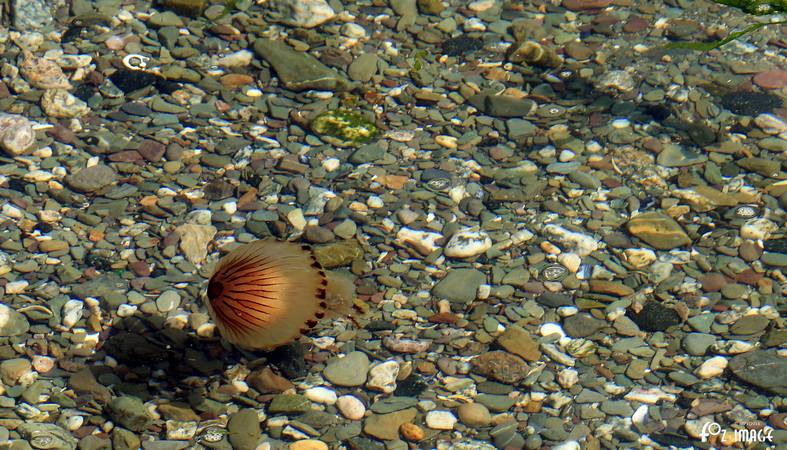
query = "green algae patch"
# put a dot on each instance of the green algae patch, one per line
(343, 128)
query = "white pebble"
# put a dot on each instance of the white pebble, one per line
(331, 164)
(321, 394)
(467, 244)
(551, 328)
(126, 310)
(620, 124)
(382, 377)
(567, 311)
(481, 5)
(650, 396)
(375, 202)
(350, 407)
(567, 155)
(72, 312)
(583, 244)
(241, 58)
(230, 207)
(12, 211)
(570, 261)
(567, 445)
(712, 367)
(73, 423)
(423, 241)
(440, 420)
(295, 217)
(568, 378)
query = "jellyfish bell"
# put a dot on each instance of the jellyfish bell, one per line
(268, 293)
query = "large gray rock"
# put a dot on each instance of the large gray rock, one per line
(764, 369)
(298, 70)
(460, 285)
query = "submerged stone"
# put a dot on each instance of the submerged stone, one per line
(344, 128)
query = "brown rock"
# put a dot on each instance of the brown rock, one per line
(749, 277)
(749, 251)
(778, 421)
(411, 432)
(265, 381)
(658, 230)
(83, 382)
(125, 156)
(635, 24)
(584, 5)
(712, 282)
(501, 366)
(610, 287)
(517, 340)
(151, 150)
(61, 134)
(236, 80)
(178, 411)
(771, 79)
(578, 50)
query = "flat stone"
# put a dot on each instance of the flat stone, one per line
(582, 325)
(349, 370)
(750, 324)
(84, 383)
(266, 381)
(363, 67)
(91, 179)
(386, 426)
(610, 287)
(518, 341)
(697, 344)
(658, 230)
(677, 156)
(460, 285)
(762, 368)
(474, 415)
(289, 403)
(129, 412)
(297, 70)
(771, 79)
(501, 366)
(244, 430)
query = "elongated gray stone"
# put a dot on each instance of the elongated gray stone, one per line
(298, 70)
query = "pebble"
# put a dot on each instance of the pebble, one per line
(16, 134)
(712, 367)
(321, 395)
(382, 377)
(467, 244)
(349, 370)
(440, 420)
(308, 444)
(658, 230)
(12, 323)
(474, 415)
(350, 407)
